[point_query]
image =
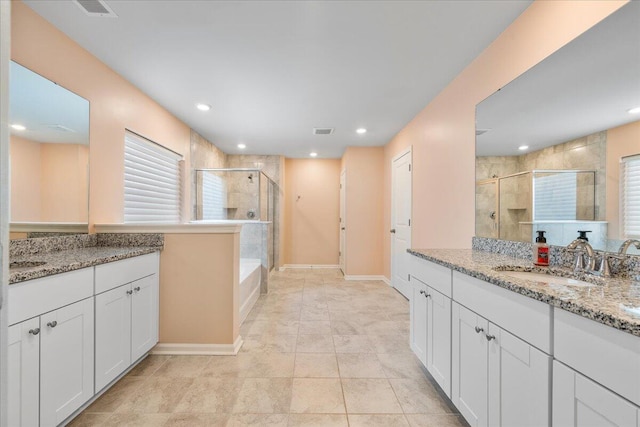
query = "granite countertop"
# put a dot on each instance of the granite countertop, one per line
(614, 301)
(72, 259)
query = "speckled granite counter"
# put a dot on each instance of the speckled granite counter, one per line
(72, 259)
(614, 302)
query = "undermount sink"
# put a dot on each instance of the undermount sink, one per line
(547, 278)
(19, 265)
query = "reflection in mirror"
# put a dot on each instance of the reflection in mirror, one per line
(49, 149)
(549, 144)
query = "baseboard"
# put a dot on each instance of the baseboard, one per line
(198, 349)
(367, 277)
(292, 266)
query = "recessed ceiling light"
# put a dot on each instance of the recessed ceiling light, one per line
(313, 154)
(635, 110)
(18, 127)
(203, 107)
(242, 146)
(361, 131)
(523, 147)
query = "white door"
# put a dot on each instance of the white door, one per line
(66, 361)
(144, 316)
(469, 365)
(579, 402)
(401, 222)
(343, 221)
(519, 386)
(439, 338)
(113, 334)
(418, 323)
(24, 373)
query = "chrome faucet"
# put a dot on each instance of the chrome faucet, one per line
(625, 245)
(579, 246)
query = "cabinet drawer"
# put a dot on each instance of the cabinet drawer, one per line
(526, 318)
(118, 273)
(38, 296)
(608, 356)
(432, 274)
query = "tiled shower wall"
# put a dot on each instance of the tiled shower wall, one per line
(204, 155)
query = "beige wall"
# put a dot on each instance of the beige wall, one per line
(621, 141)
(364, 210)
(115, 105)
(25, 180)
(199, 289)
(312, 221)
(443, 133)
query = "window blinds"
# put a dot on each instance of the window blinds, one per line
(152, 187)
(630, 196)
(555, 197)
(214, 197)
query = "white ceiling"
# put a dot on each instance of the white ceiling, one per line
(273, 70)
(585, 87)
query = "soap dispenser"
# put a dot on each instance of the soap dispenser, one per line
(541, 250)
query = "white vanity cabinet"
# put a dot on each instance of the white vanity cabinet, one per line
(51, 347)
(126, 315)
(430, 325)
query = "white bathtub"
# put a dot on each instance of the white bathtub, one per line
(250, 272)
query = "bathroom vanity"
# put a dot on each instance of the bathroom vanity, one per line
(511, 351)
(78, 321)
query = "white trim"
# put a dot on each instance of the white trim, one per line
(220, 228)
(294, 266)
(198, 349)
(49, 227)
(367, 277)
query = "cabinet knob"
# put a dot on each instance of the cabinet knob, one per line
(52, 324)
(479, 329)
(427, 295)
(137, 289)
(35, 331)
(490, 337)
(422, 292)
(129, 292)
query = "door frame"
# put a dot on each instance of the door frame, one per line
(409, 151)
(343, 220)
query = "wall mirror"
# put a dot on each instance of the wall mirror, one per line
(49, 156)
(543, 140)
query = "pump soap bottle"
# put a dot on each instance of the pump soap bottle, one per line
(541, 250)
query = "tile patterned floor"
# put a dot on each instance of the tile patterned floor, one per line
(318, 351)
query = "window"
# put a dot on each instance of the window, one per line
(630, 196)
(555, 197)
(152, 184)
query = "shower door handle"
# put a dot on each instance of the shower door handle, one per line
(393, 230)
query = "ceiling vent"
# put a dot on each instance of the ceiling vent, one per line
(322, 131)
(481, 131)
(95, 8)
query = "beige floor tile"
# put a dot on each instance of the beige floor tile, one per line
(401, 365)
(314, 314)
(264, 396)
(317, 396)
(390, 343)
(268, 343)
(436, 420)
(360, 365)
(198, 420)
(210, 395)
(148, 366)
(370, 396)
(121, 391)
(308, 327)
(137, 420)
(262, 420)
(317, 420)
(267, 365)
(89, 420)
(157, 395)
(352, 344)
(378, 421)
(316, 365)
(315, 344)
(224, 366)
(418, 396)
(182, 366)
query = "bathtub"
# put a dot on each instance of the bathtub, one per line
(250, 271)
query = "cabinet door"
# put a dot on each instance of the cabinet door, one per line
(469, 365)
(578, 401)
(418, 324)
(439, 339)
(113, 334)
(24, 373)
(66, 361)
(144, 316)
(519, 382)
